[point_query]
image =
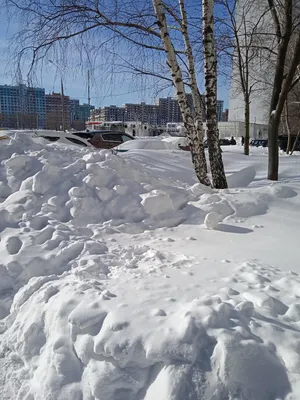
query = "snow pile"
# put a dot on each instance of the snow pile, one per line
(57, 202)
(93, 308)
(241, 178)
(69, 338)
(211, 220)
(175, 142)
(145, 144)
(79, 185)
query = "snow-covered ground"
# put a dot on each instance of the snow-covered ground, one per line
(113, 287)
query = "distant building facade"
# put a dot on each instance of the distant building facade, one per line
(74, 110)
(220, 107)
(166, 109)
(85, 111)
(169, 110)
(22, 107)
(108, 113)
(57, 116)
(79, 114)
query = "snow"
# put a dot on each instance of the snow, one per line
(175, 142)
(211, 220)
(122, 278)
(146, 144)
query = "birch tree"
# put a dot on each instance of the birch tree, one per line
(125, 30)
(210, 66)
(195, 140)
(197, 101)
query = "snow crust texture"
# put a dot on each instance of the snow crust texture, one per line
(72, 338)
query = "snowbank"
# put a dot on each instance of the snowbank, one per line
(145, 144)
(86, 318)
(51, 194)
(69, 338)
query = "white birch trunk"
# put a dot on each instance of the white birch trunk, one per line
(193, 81)
(210, 69)
(198, 157)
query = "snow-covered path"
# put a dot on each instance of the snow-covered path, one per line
(111, 287)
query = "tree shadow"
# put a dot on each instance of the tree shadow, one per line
(233, 229)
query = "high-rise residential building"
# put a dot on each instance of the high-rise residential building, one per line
(55, 114)
(163, 111)
(169, 110)
(132, 112)
(79, 114)
(74, 110)
(108, 113)
(85, 111)
(22, 107)
(220, 107)
(142, 112)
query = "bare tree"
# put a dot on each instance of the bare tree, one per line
(244, 37)
(215, 156)
(286, 122)
(210, 65)
(130, 26)
(290, 119)
(286, 25)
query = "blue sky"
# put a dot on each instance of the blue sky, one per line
(105, 90)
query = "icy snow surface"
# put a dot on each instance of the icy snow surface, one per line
(111, 288)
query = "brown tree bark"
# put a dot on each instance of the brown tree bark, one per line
(247, 126)
(288, 127)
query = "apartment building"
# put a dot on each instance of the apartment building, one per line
(57, 117)
(22, 107)
(166, 109)
(220, 108)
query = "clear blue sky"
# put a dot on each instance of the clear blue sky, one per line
(104, 90)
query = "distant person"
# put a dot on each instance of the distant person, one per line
(243, 140)
(232, 141)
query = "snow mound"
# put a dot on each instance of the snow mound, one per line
(211, 220)
(175, 142)
(84, 317)
(57, 202)
(73, 338)
(145, 144)
(78, 186)
(242, 178)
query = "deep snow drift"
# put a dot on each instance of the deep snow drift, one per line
(121, 278)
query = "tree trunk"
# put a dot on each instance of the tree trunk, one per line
(287, 125)
(247, 126)
(282, 82)
(273, 158)
(210, 69)
(193, 81)
(295, 142)
(197, 151)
